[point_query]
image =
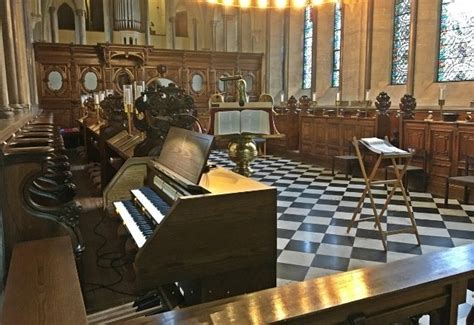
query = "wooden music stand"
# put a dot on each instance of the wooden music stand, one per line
(397, 183)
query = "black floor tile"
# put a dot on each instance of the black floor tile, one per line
(338, 240)
(291, 272)
(311, 227)
(330, 262)
(302, 246)
(369, 254)
(285, 233)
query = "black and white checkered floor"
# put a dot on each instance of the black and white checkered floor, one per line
(314, 209)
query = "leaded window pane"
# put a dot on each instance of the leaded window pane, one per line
(401, 42)
(307, 48)
(456, 43)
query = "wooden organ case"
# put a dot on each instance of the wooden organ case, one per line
(110, 66)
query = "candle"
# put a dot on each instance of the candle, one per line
(143, 86)
(101, 95)
(127, 94)
(282, 98)
(367, 95)
(441, 93)
(138, 91)
(314, 97)
(338, 96)
(96, 99)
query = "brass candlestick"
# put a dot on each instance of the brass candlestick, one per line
(129, 111)
(441, 103)
(97, 110)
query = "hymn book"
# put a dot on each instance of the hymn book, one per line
(381, 146)
(242, 122)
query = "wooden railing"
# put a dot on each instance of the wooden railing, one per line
(399, 292)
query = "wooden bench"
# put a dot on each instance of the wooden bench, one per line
(431, 284)
(43, 285)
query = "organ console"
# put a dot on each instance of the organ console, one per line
(212, 233)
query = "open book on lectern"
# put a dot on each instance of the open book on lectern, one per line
(381, 146)
(246, 121)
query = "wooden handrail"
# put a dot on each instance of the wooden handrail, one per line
(429, 284)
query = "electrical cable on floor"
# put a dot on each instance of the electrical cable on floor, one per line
(112, 264)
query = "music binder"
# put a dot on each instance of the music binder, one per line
(380, 146)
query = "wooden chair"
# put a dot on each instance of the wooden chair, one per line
(347, 159)
(466, 180)
(413, 169)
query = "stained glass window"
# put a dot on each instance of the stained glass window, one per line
(336, 60)
(307, 48)
(456, 41)
(401, 42)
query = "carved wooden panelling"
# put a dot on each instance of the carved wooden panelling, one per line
(466, 143)
(333, 132)
(447, 145)
(441, 145)
(115, 64)
(349, 130)
(367, 130)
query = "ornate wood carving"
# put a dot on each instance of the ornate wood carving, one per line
(141, 63)
(305, 103)
(164, 107)
(407, 106)
(383, 103)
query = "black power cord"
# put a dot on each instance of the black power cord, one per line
(111, 260)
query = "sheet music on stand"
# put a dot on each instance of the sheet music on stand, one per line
(380, 146)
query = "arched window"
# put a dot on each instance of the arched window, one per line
(401, 42)
(456, 41)
(336, 58)
(66, 17)
(308, 48)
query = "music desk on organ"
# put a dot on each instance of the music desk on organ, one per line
(215, 238)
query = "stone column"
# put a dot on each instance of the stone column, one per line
(53, 17)
(9, 48)
(267, 50)
(172, 21)
(21, 59)
(286, 51)
(412, 48)
(195, 34)
(81, 17)
(225, 19)
(368, 47)
(3, 78)
(214, 34)
(107, 21)
(147, 23)
(239, 30)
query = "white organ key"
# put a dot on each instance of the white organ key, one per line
(130, 224)
(152, 210)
